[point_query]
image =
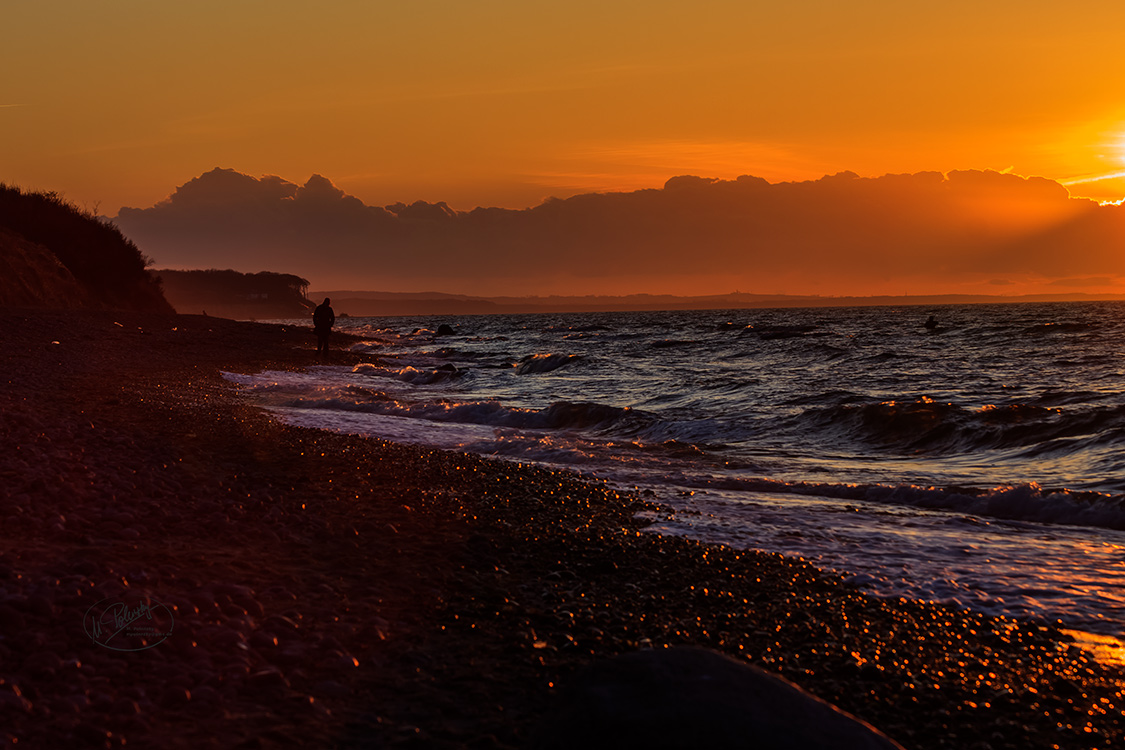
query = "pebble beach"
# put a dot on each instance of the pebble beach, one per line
(327, 590)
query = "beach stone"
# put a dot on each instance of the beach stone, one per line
(10, 620)
(175, 697)
(181, 606)
(220, 637)
(270, 677)
(331, 688)
(126, 707)
(42, 663)
(688, 697)
(262, 639)
(228, 606)
(89, 735)
(203, 601)
(281, 624)
(71, 704)
(290, 655)
(12, 700)
(39, 606)
(205, 695)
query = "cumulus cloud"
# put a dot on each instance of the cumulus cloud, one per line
(840, 234)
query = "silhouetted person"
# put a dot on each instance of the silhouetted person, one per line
(323, 320)
(931, 323)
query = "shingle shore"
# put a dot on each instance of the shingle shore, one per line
(335, 591)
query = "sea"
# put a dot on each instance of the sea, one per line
(978, 462)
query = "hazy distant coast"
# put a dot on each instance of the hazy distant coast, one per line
(360, 304)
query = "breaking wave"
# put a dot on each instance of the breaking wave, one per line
(412, 375)
(540, 363)
(562, 415)
(929, 426)
(1026, 502)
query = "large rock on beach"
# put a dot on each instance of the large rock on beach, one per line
(688, 697)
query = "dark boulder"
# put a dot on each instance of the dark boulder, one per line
(689, 697)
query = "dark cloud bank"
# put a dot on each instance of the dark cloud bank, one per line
(835, 234)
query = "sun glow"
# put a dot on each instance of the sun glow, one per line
(1106, 189)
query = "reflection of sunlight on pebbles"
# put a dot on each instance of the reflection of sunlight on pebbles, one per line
(1019, 570)
(1105, 648)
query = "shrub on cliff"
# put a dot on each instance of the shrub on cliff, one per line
(105, 263)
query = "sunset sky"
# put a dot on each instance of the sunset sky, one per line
(503, 103)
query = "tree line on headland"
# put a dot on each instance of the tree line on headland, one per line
(230, 294)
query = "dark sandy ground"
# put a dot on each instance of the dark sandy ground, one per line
(331, 591)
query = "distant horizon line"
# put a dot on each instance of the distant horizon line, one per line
(736, 293)
(372, 302)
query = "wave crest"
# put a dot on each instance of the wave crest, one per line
(535, 364)
(412, 375)
(929, 426)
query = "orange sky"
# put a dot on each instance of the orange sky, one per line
(506, 103)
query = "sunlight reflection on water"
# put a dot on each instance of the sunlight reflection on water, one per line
(1105, 648)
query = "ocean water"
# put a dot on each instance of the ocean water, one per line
(979, 463)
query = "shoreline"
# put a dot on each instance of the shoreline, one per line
(335, 591)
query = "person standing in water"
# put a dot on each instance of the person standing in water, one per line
(323, 320)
